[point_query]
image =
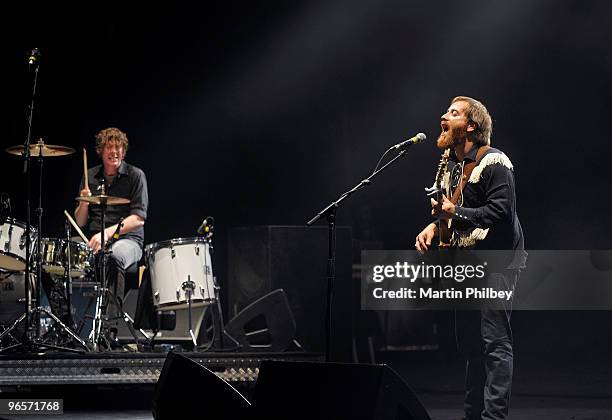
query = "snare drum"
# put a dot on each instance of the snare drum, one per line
(54, 257)
(172, 264)
(13, 244)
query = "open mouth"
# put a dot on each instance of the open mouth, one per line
(444, 126)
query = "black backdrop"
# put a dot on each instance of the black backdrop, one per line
(262, 112)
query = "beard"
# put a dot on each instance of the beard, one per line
(453, 136)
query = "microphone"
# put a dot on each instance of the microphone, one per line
(6, 201)
(119, 226)
(34, 56)
(5, 209)
(419, 138)
(207, 226)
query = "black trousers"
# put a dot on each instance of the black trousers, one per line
(485, 339)
(124, 253)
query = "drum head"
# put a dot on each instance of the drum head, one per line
(151, 248)
(12, 244)
(14, 222)
(11, 263)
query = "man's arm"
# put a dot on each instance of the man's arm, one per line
(130, 223)
(81, 214)
(423, 239)
(500, 198)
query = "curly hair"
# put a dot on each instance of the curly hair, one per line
(111, 135)
(478, 114)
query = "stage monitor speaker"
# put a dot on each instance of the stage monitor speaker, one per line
(188, 390)
(338, 391)
(265, 325)
(294, 258)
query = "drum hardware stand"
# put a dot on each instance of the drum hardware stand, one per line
(67, 278)
(39, 309)
(219, 334)
(96, 331)
(189, 286)
(96, 335)
(68, 275)
(12, 337)
(32, 340)
(218, 325)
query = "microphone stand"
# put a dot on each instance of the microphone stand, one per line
(32, 340)
(26, 172)
(28, 341)
(330, 213)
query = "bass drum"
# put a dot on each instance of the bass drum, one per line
(13, 244)
(177, 267)
(12, 296)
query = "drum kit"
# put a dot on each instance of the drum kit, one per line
(181, 269)
(180, 272)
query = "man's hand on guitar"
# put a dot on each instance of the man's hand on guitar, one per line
(423, 239)
(444, 210)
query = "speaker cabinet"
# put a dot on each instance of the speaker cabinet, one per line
(188, 390)
(286, 390)
(312, 390)
(294, 258)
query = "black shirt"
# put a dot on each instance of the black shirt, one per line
(131, 183)
(489, 203)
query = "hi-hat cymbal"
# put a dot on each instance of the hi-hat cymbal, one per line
(41, 149)
(104, 199)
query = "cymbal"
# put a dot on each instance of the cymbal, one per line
(103, 198)
(41, 149)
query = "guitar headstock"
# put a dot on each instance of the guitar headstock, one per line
(442, 168)
(437, 186)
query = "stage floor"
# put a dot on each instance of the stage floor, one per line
(127, 368)
(439, 408)
(120, 385)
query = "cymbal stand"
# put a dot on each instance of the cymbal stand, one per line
(96, 331)
(100, 316)
(32, 341)
(39, 309)
(68, 275)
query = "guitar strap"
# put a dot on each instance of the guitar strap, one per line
(467, 171)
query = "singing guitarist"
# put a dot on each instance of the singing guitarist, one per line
(480, 203)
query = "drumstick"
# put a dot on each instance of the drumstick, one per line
(86, 184)
(76, 227)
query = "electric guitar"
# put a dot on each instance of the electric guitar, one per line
(437, 190)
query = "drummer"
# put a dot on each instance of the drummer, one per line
(120, 179)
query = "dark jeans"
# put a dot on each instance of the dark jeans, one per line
(485, 338)
(125, 252)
